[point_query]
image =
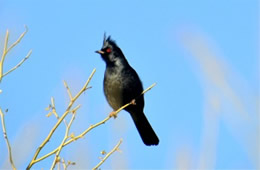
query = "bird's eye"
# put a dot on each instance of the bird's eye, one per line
(108, 50)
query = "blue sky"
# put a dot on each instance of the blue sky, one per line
(203, 55)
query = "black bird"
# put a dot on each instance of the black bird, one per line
(122, 85)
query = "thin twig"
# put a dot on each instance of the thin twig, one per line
(91, 127)
(66, 136)
(6, 42)
(19, 64)
(53, 111)
(6, 140)
(68, 89)
(59, 121)
(149, 88)
(18, 40)
(64, 164)
(7, 49)
(53, 108)
(4, 54)
(108, 154)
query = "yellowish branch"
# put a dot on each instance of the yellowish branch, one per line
(91, 127)
(7, 49)
(66, 136)
(19, 64)
(6, 42)
(33, 161)
(53, 111)
(53, 108)
(64, 164)
(4, 54)
(17, 41)
(68, 89)
(149, 88)
(108, 154)
(6, 140)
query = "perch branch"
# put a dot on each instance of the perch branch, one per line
(91, 127)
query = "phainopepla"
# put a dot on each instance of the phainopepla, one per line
(122, 85)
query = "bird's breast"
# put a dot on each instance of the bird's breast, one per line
(113, 89)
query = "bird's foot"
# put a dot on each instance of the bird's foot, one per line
(113, 114)
(133, 102)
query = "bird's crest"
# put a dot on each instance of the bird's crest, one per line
(108, 40)
(104, 40)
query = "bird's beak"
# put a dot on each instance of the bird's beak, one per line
(100, 52)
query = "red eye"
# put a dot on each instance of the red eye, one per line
(108, 50)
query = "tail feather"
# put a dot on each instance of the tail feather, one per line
(145, 129)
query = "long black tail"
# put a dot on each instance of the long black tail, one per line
(145, 129)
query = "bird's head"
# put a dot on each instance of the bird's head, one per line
(110, 52)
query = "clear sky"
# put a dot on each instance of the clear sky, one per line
(203, 55)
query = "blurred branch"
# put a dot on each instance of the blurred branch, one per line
(54, 108)
(66, 136)
(68, 89)
(108, 154)
(53, 111)
(2, 59)
(6, 139)
(19, 64)
(64, 164)
(68, 110)
(7, 49)
(92, 127)
(16, 42)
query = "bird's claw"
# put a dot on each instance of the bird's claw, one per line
(113, 114)
(133, 102)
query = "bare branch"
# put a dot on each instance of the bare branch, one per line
(6, 42)
(17, 41)
(68, 89)
(53, 108)
(64, 164)
(66, 136)
(6, 140)
(3, 55)
(108, 154)
(19, 64)
(7, 49)
(59, 121)
(90, 128)
(149, 88)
